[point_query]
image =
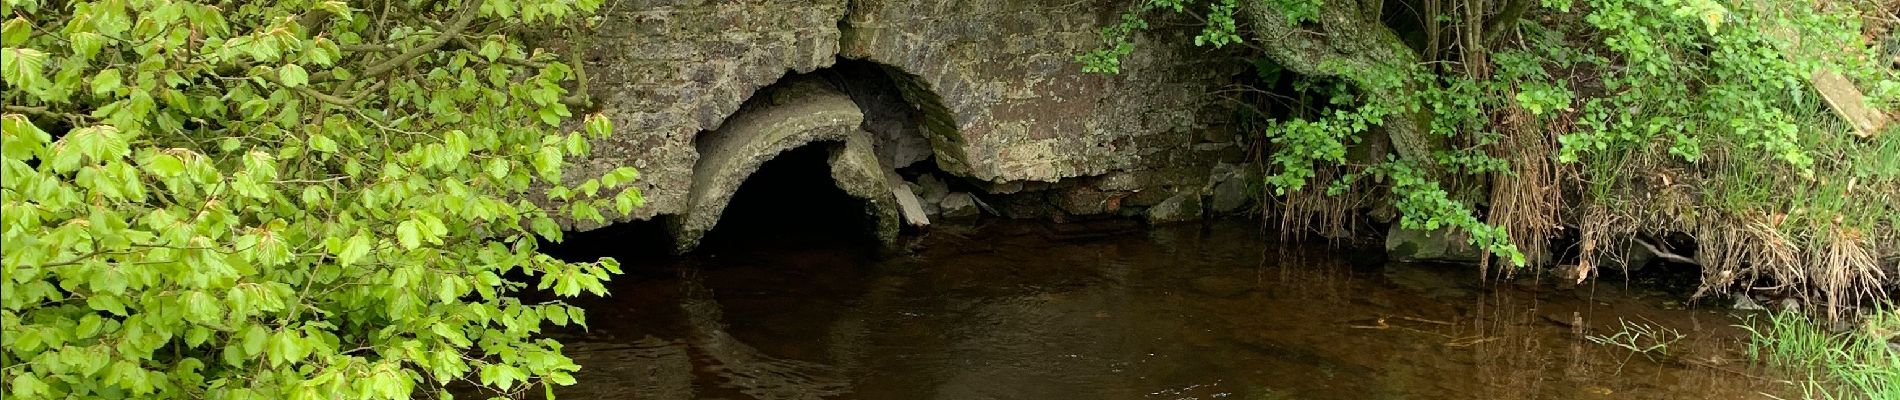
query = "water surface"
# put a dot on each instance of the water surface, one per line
(1052, 311)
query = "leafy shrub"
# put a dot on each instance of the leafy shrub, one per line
(1630, 90)
(286, 199)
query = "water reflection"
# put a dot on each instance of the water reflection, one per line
(1027, 311)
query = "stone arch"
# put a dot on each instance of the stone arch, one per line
(801, 111)
(908, 120)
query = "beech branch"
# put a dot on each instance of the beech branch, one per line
(45, 112)
(452, 32)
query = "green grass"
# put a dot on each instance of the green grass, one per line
(1648, 339)
(1856, 364)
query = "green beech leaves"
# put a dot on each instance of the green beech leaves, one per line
(287, 199)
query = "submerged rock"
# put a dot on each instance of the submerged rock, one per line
(1233, 188)
(1231, 195)
(958, 205)
(1442, 245)
(1181, 207)
(931, 190)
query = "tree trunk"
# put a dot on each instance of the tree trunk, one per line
(1348, 41)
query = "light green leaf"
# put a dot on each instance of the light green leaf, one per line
(491, 49)
(106, 302)
(106, 83)
(293, 75)
(87, 44)
(253, 341)
(408, 234)
(15, 32)
(599, 126)
(89, 326)
(28, 386)
(353, 250)
(19, 138)
(322, 143)
(165, 166)
(23, 68)
(287, 347)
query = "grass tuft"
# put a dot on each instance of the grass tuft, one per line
(1860, 363)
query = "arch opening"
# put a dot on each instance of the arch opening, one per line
(792, 202)
(797, 112)
(873, 122)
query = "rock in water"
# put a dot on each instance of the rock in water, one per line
(908, 205)
(1442, 245)
(1181, 207)
(958, 205)
(1230, 196)
(1233, 188)
(1747, 304)
(934, 190)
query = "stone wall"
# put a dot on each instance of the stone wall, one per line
(1018, 105)
(666, 70)
(1001, 97)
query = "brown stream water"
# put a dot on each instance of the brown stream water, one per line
(1015, 310)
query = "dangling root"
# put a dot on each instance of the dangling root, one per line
(1526, 201)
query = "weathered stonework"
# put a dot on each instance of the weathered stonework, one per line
(856, 170)
(666, 70)
(793, 115)
(1015, 103)
(992, 86)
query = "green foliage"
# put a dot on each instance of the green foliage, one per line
(1302, 144)
(1424, 205)
(1725, 87)
(286, 199)
(1119, 39)
(1298, 11)
(1683, 79)
(1720, 88)
(1317, 135)
(1220, 29)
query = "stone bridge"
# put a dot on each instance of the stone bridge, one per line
(987, 93)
